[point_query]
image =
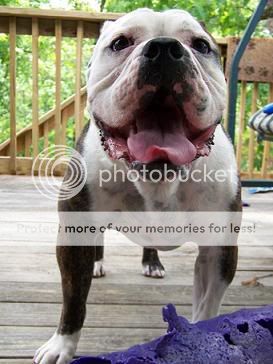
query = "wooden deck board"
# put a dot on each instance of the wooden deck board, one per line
(42, 267)
(98, 315)
(131, 294)
(23, 341)
(30, 292)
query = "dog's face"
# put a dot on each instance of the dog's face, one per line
(156, 89)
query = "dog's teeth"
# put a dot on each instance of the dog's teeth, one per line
(210, 142)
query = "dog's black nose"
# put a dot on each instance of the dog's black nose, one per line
(163, 49)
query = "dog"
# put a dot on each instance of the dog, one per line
(156, 97)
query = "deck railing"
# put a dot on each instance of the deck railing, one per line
(255, 159)
(19, 150)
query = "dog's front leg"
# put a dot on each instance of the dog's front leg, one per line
(75, 255)
(76, 266)
(215, 268)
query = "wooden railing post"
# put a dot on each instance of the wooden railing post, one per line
(78, 118)
(266, 153)
(252, 136)
(58, 126)
(65, 117)
(12, 68)
(45, 132)
(241, 124)
(35, 92)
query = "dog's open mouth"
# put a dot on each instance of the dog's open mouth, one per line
(159, 131)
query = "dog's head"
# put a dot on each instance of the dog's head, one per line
(156, 90)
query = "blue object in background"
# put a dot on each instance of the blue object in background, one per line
(242, 337)
(260, 190)
(268, 109)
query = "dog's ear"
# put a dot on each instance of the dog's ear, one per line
(106, 25)
(203, 25)
(89, 64)
(88, 68)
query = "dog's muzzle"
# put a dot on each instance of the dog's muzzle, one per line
(163, 59)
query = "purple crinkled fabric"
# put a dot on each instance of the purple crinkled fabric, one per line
(242, 337)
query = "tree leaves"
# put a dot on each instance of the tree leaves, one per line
(224, 17)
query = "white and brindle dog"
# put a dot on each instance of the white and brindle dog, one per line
(156, 95)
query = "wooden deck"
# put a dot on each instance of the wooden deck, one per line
(30, 295)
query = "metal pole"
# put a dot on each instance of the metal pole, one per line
(233, 80)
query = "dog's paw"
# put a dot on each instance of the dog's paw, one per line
(60, 349)
(153, 270)
(98, 270)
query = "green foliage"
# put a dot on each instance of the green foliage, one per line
(67, 4)
(222, 17)
(4, 87)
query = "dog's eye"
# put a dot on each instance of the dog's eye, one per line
(201, 46)
(121, 43)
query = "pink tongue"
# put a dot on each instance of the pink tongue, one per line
(150, 145)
